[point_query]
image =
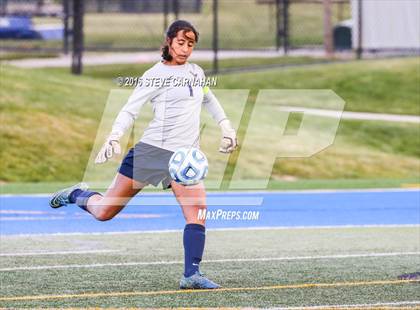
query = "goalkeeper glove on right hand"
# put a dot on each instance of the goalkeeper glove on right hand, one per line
(229, 141)
(110, 147)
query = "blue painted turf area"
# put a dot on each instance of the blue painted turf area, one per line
(32, 215)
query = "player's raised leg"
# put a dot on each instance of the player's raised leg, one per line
(102, 207)
(192, 199)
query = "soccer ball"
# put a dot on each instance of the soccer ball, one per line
(188, 166)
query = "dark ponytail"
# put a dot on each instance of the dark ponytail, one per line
(174, 28)
(165, 52)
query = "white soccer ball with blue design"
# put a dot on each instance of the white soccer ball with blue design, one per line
(188, 166)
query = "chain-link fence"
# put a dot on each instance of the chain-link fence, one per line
(134, 25)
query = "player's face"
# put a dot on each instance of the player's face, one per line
(182, 46)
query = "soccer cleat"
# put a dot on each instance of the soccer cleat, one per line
(197, 281)
(62, 198)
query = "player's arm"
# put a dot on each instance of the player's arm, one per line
(229, 141)
(124, 121)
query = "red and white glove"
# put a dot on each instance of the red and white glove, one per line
(110, 147)
(229, 141)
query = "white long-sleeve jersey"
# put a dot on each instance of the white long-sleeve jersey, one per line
(176, 107)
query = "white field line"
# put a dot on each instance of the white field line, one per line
(57, 253)
(354, 115)
(380, 304)
(33, 218)
(81, 215)
(164, 231)
(212, 200)
(30, 212)
(262, 259)
(256, 192)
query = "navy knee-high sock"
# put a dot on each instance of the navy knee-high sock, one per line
(194, 239)
(81, 198)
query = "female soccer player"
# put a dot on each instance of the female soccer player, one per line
(175, 124)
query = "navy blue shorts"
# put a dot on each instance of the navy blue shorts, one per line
(147, 164)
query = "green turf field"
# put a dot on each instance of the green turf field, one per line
(257, 268)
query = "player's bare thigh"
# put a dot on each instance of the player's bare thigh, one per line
(191, 198)
(115, 198)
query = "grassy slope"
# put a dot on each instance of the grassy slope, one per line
(48, 123)
(380, 86)
(109, 71)
(40, 105)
